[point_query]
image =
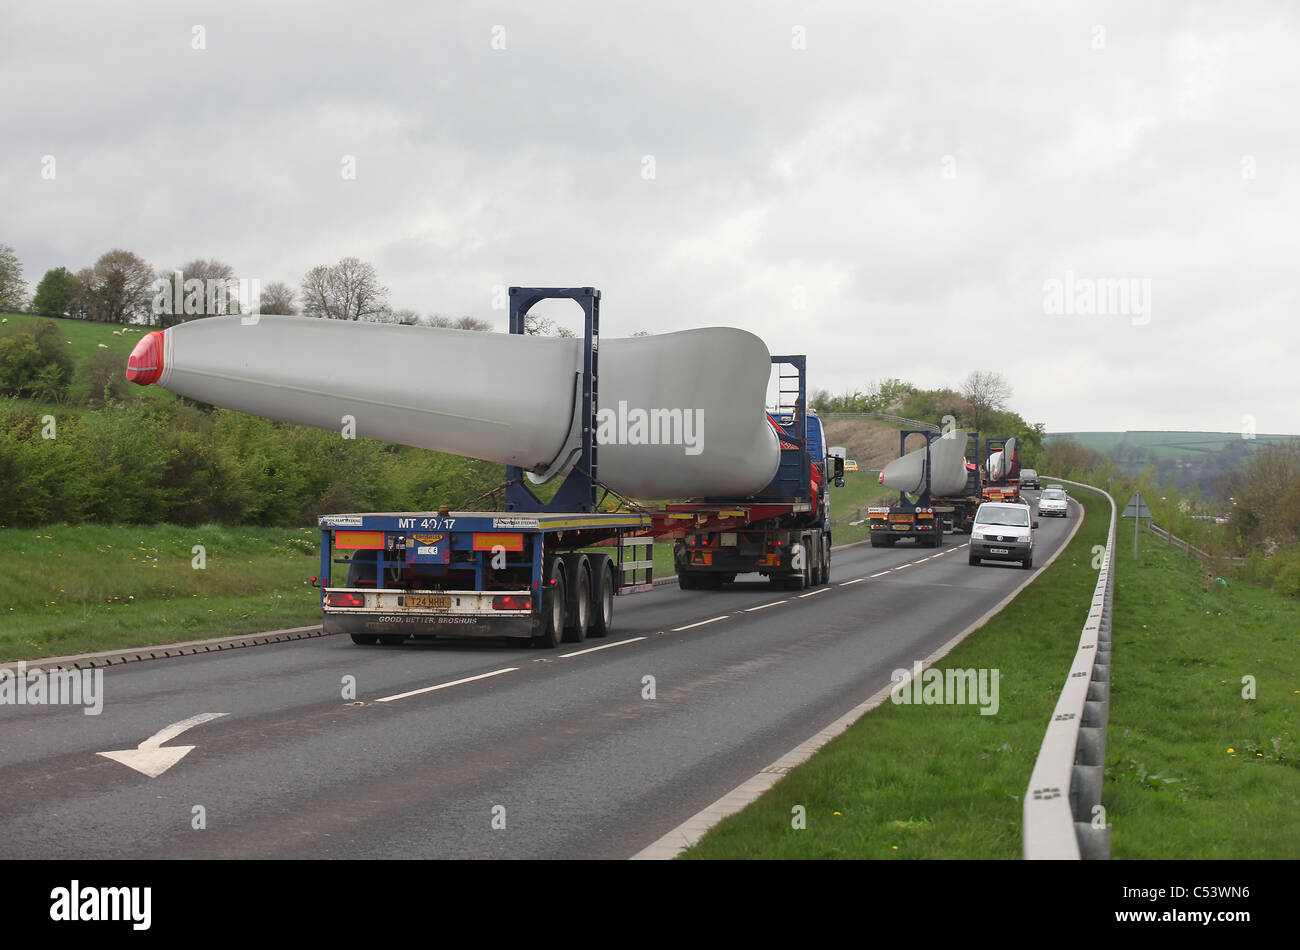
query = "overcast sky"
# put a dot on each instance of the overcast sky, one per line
(891, 188)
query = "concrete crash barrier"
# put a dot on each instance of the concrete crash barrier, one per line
(947, 467)
(680, 415)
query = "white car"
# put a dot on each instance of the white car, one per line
(1003, 531)
(1053, 502)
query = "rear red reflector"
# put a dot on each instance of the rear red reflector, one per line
(511, 602)
(345, 600)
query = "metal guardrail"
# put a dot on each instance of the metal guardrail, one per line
(1188, 548)
(1063, 816)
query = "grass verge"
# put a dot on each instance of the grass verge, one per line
(66, 590)
(1194, 768)
(938, 781)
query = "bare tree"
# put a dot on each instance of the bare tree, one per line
(349, 290)
(202, 287)
(457, 323)
(120, 288)
(537, 325)
(279, 297)
(986, 392)
(80, 295)
(405, 317)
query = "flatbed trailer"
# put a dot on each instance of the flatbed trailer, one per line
(549, 571)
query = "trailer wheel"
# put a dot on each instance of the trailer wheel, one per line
(392, 640)
(687, 580)
(578, 572)
(554, 597)
(602, 595)
(365, 639)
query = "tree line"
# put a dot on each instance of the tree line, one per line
(981, 405)
(123, 288)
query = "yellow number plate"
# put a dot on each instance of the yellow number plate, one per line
(436, 601)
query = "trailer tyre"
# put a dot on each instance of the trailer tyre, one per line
(577, 571)
(365, 639)
(602, 595)
(554, 599)
(686, 580)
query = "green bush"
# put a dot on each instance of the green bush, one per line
(35, 361)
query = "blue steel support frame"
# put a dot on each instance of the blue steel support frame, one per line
(578, 492)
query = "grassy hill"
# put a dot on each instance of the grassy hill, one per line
(1201, 460)
(1165, 444)
(85, 340)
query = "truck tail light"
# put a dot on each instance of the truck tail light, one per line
(345, 600)
(511, 602)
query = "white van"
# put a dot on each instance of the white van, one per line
(1003, 531)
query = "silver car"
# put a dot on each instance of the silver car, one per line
(1053, 502)
(1003, 531)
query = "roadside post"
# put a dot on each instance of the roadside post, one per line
(1136, 509)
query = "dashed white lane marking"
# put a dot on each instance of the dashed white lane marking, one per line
(690, 626)
(430, 689)
(856, 580)
(750, 610)
(814, 592)
(603, 646)
(882, 573)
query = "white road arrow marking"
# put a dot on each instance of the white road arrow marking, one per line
(150, 758)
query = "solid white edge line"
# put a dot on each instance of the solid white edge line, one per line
(764, 606)
(603, 646)
(820, 590)
(691, 626)
(430, 689)
(693, 829)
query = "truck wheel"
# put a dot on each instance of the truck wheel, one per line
(602, 595)
(365, 639)
(826, 560)
(554, 599)
(818, 575)
(578, 608)
(687, 580)
(877, 542)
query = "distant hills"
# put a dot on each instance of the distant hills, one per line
(1200, 459)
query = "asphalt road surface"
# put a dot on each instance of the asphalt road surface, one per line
(546, 754)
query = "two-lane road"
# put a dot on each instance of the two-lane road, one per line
(593, 750)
